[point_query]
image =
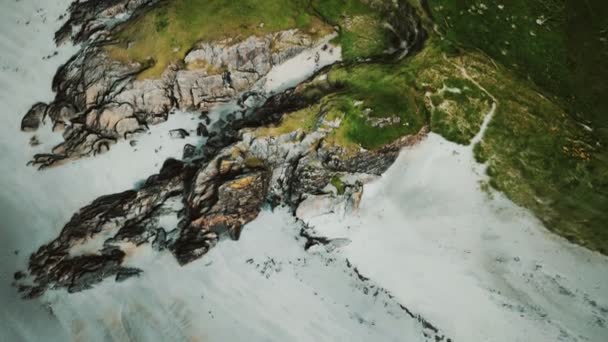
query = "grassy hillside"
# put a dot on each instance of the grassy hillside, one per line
(543, 61)
(547, 153)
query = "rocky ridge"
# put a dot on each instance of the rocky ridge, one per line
(218, 187)
(214, 195)
(192, 204)
(100, 100)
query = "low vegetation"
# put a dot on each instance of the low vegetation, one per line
(165, 33)
(378, 103)
(368, 93)
(561, 45)
(337, 182)
(544, 160)
(304, 119)
(546, 144)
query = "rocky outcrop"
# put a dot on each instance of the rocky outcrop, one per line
(214, 195)
(191, 205)
(100, 100)
(34, 117)
(405, 22)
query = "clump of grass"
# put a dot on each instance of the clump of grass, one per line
(337, 182)
(362, 33)
(303, 119)
(370, 91)
(254, 163)
(161, 21)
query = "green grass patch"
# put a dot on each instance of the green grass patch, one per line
(165, 33)
(362, 30)
(337, 182)
(457, 106)
(368, 92)
(377, 103)
(304, 119)
(542, 158)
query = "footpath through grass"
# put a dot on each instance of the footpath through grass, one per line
(546, 152)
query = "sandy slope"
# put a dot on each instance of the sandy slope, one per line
(472, 262)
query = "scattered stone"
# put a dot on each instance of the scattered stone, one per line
(31, 121)
(201, 130)
(127, 273)
(34, 141)
(189, 151)
(179, 133)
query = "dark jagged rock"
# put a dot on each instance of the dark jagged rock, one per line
(222, 190)
(160, 240)
(31, 121)
(407, 26)
(372, 162)
(80, 257)
(179, 133)
(34, 141)
(202, 130)
(189, 151)
(312, 240)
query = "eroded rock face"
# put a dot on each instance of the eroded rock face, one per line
(100, 100)
(224, 184)
(210, 197)
(34, 117)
